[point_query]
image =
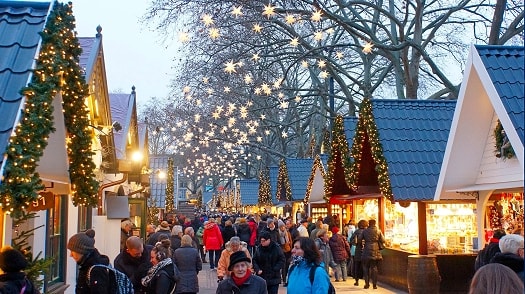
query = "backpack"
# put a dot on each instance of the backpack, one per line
(331, 289)
(118, 280)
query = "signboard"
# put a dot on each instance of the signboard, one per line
(45, 200)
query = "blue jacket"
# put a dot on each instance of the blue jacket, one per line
(299, 280)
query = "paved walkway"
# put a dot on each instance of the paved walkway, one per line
(208, 285)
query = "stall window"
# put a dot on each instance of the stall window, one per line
(451, 228)
(401, 226)
(56, 242)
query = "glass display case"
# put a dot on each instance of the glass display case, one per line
(401, 226)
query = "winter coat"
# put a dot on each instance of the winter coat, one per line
(134, 268)
(244, 232)
(357, 235)
(253, 230)
(254, 285)
(228, 233)
(199, 234)
(299, 279)
(154, 238)
(340, 248)
(212, 237)
(175, 242)
(12, 283)
(372, 236)
(224, 260)
(285, 246)
(189, 263)
(123, 237)
(163, 282)
(326, 253)
(274, 234)
(99, 277)
(486, 254)
(269, 259)
(513, 261)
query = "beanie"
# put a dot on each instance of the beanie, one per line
(12, 260)
(82, 242)
(335, 230)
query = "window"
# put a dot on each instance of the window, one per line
(56, 219)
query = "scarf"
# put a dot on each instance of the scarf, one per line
(296, 259)
(239, 281)
(154, 270)
(283, 237)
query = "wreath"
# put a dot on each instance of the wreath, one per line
(503, 147)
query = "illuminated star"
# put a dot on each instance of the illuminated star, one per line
(339, 55)
(205, 80)
(330, 31)
(257, 28)
(284, 134)
(184, 37)
(280, 95)
(186, 89)
(269, 10)
(255, 57)
(259, 139)
(321, 63)
(316, 15)
(237, 11)
(263, 116)
(216, 115)
(197, 117)
(297, 98)
(294, 42)
(229, 67)
(290, 19)
(304, 63)
(247, 79)
(210, 91)
(227, 89)
(284, 105)
(207, 20)
(318, 35)
(257, 91)
(368, 48)
(324, 74)
(214, 33)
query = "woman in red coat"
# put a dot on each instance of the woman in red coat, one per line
(212, 239)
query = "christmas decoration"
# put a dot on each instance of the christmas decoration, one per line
(169, 205)
(57, 70)
(338, 160)
(284, 190)
(318, 165)
(265, 197)
(503, 148)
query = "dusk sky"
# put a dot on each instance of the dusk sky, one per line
(134, 55)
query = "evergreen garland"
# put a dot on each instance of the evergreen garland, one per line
(57, 69)
(284, 190)
(265, 195)
(339, 155)
(169, 206)
(499, 137)
(366, 125)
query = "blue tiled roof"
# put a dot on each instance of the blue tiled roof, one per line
(274, 173)
(157, 185)
(506, 68)
(299, 170)
(414, 136)
(249, 191)
(122, 106)
(20, 23)
(350, 124)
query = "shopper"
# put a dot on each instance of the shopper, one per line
(213, 241)
(189, 264)
(134, 261)
(486, 254)
(305, 255)
(232, 246)
(14, 279)
(161, 276)
(322, 243)
(242, 280)
(495, 278)
(357, 245)
(268, 261)
(511, 254)
(340, 251)
(373, 240)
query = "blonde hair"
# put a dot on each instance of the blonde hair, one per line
(186, 241)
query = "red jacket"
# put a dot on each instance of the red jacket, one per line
(212, 237)
(253, 229)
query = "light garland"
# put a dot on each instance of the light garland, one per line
(339, 156)
(318, 164)
(284, 189)
(265, 195)
(169, 187)
(56, 69)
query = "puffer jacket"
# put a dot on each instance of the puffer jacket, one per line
(212, 237)
(269, 259)
(513, 261)
(371, 236)
(188, 261)
(340, 248)
(299, 279)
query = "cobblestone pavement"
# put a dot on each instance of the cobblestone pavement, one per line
(208, 285)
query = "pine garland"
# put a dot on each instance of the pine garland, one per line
(265, 195)
(170, 178)
(339, 154)
(284, 189)
(57, 69)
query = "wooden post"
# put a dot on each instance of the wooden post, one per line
(422, 224)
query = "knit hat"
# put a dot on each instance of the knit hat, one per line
(82, 242)
(237, 257)
(335, 230)
(12, 260)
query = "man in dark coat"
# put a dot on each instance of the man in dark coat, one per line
(268, 261)
(164, 229)
(511, 254)
(134, 261)
(486, 254)
(371, 256)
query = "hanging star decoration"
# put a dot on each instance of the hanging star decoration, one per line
(237, 11)
(269, 10)
(229, 67)
(207, 20)
(294, 42)
(316, 16)
(367, 48)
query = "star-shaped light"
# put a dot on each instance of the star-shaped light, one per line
(255, 57)
(290, 19)
(284, 104)
(231, 107)
(284, 134)
(184, 37)
(214, 33)
(277, 83)
(266, 132)
(368, 48)
(266, 89)
(280, 95)
(257, 91)
(304, 63)
(294, 42)
(269, 10)
(259, 139)
(216, 115)
(210, 91)
(339, 55)
(237, 11)
(330, 31)
(297, 98)
(257, 28)
(227, 89)
(229, 67)
(248, 79)
(263, 116)
(318, 36)
(197, 117)
(316, 15)
(205, 80)
(189, 97)
(207, 19)
(324, 74)
(186, 89)
(321, 63)
(198, 102)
